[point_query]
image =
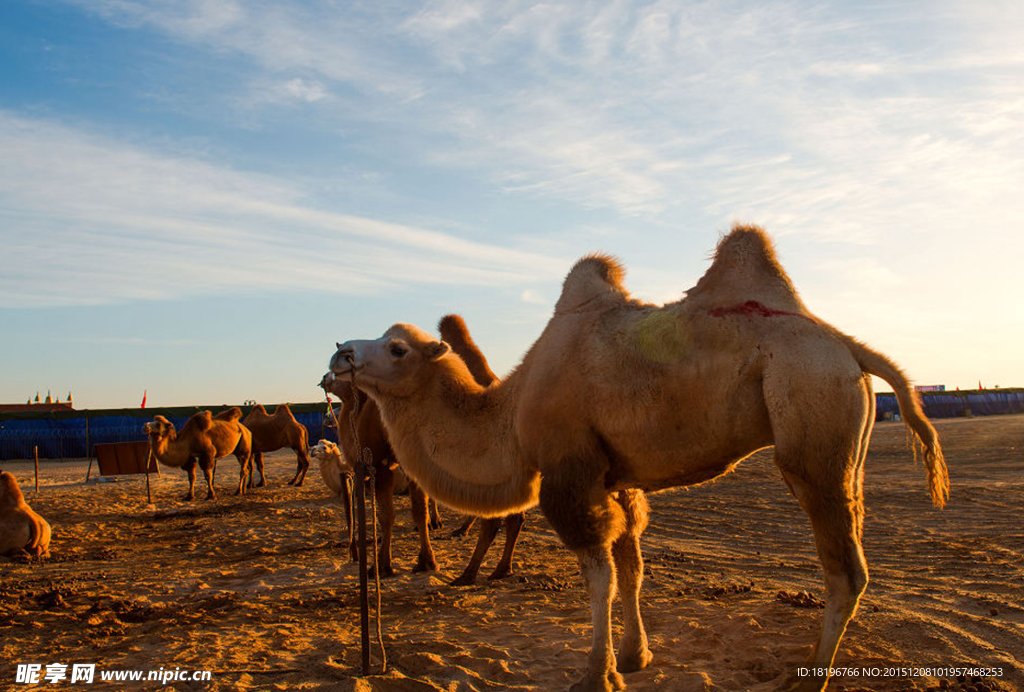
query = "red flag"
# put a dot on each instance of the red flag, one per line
(979, 385)
(143, 398)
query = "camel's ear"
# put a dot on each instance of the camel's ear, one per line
(437, 350)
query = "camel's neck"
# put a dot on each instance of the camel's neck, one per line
(168, 451)
(460, 446)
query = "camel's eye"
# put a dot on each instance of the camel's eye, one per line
(398, 350)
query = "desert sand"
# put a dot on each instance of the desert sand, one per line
(257, 589)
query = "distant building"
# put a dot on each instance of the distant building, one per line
(930, 388)
(48, 404)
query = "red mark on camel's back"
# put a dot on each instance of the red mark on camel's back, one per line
(752, 308)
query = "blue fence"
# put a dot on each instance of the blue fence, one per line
(72, 434)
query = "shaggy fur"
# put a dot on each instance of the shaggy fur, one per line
(617, 396)
(22, 531)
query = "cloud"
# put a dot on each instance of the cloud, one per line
(89, 220)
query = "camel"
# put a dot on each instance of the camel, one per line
(202, 441)
(270, 433)
(22, 531)
(618, 397)
(372, 437)
(454, 330)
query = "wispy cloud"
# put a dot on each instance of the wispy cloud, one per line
(89, 220)
(641, 108)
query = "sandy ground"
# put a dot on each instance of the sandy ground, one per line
(257, 589)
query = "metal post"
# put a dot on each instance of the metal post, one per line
(36, 448)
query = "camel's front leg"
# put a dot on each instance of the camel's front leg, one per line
(599, 573)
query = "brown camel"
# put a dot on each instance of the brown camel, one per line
(372, 437)
(455, 332)
(270, 433)
(618, 397)
(202, 441)
(22, 531)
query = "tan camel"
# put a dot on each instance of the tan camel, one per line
(273, 432)
(334, 468)
(618, 397)
(202, 441)
(22, 531)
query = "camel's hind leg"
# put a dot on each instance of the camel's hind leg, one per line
(513, 525)
(629, 571)
(826, 476)
(425, 561)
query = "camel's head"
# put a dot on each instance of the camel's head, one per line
(324, 449)
(159, 428)
(393, 364)
(10, 493)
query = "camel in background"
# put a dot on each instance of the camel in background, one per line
(202, 441)
(618, 397)
(22, 531)
(453, 329)
(273, 432)
(372, 437)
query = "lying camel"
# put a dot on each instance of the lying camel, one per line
(372, 437)
(22, 531)
(618, 397)
(202, 441)
(270, 433)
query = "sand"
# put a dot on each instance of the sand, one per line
(258, 590)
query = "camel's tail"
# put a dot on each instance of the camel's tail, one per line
(910, 408)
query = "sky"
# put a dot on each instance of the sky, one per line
(198, 198)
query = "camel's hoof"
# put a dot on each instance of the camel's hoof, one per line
(612, 682)
(188, 498)
(425, 565)
(460, 532)
(627, 663)
(500, 572)
(385, 572)
(464, 580)
(436, 525)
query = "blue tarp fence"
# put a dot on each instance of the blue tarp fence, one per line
(986, 402)
(72, 434)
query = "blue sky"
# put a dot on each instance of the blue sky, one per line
(199, 198)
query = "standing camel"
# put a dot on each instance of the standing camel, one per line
(618, 397)
(273, 432)
(202, 441)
